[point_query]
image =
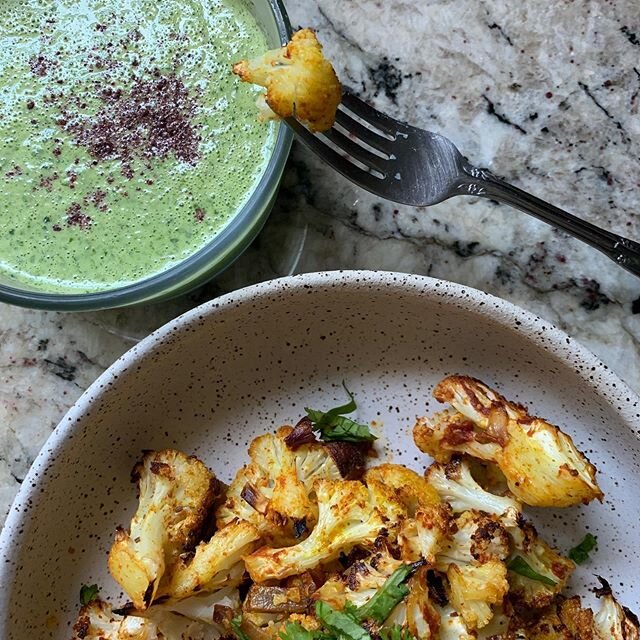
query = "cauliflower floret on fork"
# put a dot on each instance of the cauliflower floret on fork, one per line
(299, 80)
(541, 463)
(176, 492)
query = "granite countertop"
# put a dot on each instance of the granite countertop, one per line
(544, 94)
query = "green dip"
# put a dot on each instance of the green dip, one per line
(126, 144)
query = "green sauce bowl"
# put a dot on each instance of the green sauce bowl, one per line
(223, 249)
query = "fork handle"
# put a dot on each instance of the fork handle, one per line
(621, 250)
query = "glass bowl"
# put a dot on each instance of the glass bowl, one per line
(214, 257)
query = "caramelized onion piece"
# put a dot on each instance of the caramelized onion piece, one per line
(264, 599)
(302, 434)
(497, 429)
(348, 458)
(254, 498)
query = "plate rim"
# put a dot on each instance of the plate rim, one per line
(607, 384)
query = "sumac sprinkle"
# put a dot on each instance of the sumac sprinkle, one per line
(40, 65)
(76, 218)
(154, 119)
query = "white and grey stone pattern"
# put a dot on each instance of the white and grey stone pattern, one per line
(545, 94)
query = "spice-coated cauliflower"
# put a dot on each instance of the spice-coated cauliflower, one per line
(361, 580)
(542, 558)
(408, 487)
(299, 80)
(417, 613)
(613, 621)
(567, 619)
(176, 492)
(215, 564)
(541, 464)
(96, 621)
(476, 538)
(273, 492)
(424, 535)
(349, 514)
(456, 486)
(474, 589)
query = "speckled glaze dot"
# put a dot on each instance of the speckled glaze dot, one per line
(211, 380)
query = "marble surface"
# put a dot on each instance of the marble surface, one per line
(544, 94)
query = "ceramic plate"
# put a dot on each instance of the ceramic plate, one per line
(211, 380)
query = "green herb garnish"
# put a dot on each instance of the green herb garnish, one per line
(580, 553)
(388, 596)
(88, 593)
(339, 623)
(332, 425)
(396, 633)
(520, 566)
(295, 631)
(238, 632)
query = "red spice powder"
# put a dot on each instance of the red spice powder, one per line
(76, 217)
(152, 120)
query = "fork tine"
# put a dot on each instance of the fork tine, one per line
(365, 156)
(371, 137)
(362, 178)
(374, 117)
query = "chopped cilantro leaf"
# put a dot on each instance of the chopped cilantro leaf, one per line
(333, 425)
(520, 566)
(580, 553)
(88, 593)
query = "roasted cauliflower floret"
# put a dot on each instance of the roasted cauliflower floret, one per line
(96, 621)
(347, 516)
(473, 589)
(200, 605)
(362, 579)
(422, 618)
(613, 621)
(455, 484)
(477, 539)
(554, 568)
(299, 80)
(176, 492)
(424, 535)
(452, 626)
(541, 464)
(273, 492)
(409, 488)
(210, 567)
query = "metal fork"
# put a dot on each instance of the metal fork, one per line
(412, 166)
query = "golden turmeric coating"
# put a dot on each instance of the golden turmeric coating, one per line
(300, 82)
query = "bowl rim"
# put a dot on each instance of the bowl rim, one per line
(241, 229)
(556, 342)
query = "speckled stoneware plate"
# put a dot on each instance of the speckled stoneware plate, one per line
(209, 381)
